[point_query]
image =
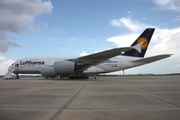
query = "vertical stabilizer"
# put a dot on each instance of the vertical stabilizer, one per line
(145, 37)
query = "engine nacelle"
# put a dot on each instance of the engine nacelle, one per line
(48, 71)
(64, 67)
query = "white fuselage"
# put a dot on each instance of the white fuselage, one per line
(33, 65)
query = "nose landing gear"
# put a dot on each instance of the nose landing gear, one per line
(17, 76)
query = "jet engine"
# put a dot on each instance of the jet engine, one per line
(64, 67)
(48, 71)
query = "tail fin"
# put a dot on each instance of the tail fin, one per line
(144, 37)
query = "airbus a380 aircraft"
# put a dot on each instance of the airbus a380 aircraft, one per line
(80, 67)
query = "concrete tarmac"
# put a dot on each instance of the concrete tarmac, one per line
(106, 98)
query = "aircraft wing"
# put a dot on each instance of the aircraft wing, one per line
(152, 59)
(100, 56)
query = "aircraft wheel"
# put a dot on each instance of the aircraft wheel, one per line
(17, 76)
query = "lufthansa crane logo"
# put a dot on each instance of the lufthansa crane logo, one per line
(145, 42)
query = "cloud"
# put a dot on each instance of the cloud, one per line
(33, 28)
(83, 53)
(127, 38)
(4, 45)
(132, 25)
(2, 57)
(164, 41)
(4, 64)
(172, 5)
(18, 13)
(177, 18)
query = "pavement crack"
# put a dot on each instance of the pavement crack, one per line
(64, 107)
(152, 96)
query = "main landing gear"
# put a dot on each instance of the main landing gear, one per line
(78, 77)
(70, 77)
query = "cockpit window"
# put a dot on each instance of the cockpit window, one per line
(16, 65)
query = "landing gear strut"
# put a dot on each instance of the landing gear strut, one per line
(78, 77)
(17, 76)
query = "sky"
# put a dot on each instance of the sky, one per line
(79, 27)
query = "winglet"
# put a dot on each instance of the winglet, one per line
(138, 47)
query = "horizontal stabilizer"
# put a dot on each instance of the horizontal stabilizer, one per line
(152, 59)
